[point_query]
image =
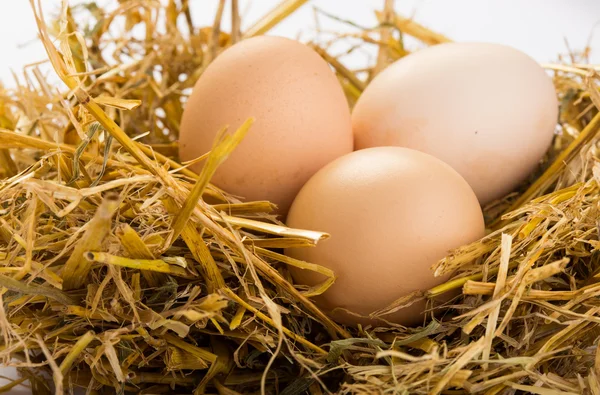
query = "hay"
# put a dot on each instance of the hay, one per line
(118, 276)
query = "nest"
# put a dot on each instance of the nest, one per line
(118, 276)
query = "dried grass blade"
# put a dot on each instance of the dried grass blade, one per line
(177, 360)
(597, 361)
(279, 242)
(31, 289)
(273, 17)
(124, 289)
(341, 69)
(213, 44)
(236, 321)
(506, 245)
(47, 274)
(245, 208)
(77, 43)
(350, 89)
(137, 249)
(115, 102)
(383, 55)
(30, 224)
(479, 288)
(107, 145)
(314, 290)
(273, 229)
(113, 359)
(155, 265)
(567, 69)
(7, 387)
(235, 22)
(295, 262)
(222, 148)
(594, 382)
(200, 251)
(201, 353)
(412, 28)
(92, 130)
(76, 351)
(460, 378)
(77, 267)
(7, 164)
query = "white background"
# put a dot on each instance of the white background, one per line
(538, 27)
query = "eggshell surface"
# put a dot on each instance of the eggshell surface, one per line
(302, 117)
(391, 214)
(487, 110)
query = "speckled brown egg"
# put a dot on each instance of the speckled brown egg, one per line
(302, 117)
(487, 110)
(391, 214)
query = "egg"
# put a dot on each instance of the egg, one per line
(302, 118)
(391, 213)
(487, 110)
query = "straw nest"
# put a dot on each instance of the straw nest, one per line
(118, 277)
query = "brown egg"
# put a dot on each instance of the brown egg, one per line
(302, 117)
(487, 110)
(392, 213)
